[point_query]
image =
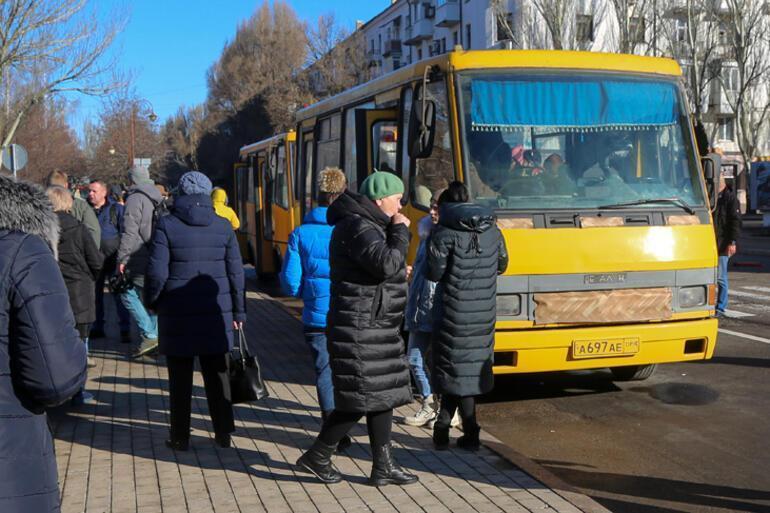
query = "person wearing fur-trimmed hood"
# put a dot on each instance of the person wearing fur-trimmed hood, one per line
(42, 360)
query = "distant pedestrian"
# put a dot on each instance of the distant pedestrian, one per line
(368, 295)
(80, 209)
(195, 282)
(727, 227)
(465, 255)
(80, 262)
(42, 360)
(110, 216)
(138, 220)
(305, 274)
(219, 198)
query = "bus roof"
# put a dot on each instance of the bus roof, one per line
(290, 136)
(496, 59)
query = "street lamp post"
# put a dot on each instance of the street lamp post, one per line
(134, 111)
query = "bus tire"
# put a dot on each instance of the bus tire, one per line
(633, 372)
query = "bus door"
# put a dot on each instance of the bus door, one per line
(377, 131)
(239, 169)
(264, 217)
(277, 217)
(306, 181)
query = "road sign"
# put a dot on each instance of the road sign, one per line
(14, 158)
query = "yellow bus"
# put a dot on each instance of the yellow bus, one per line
(589, 161)
(265, 200)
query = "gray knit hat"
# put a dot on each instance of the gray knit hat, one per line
(140, 174)
(195, 182)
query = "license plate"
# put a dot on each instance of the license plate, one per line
(605, 347)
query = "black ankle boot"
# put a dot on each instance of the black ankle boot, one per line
(223, 440)
(318, 461)
(470, 439)
(385, 470)
(441, 438)
(178, 445)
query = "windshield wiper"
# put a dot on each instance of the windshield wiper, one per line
(674, 201)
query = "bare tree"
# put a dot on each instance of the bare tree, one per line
(181, 136)
(631, 18)
(336, 58)
(556, 14)
(48, 47)
(747, 30)
(689, 32)
(503, 21)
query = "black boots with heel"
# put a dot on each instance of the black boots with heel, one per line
(386, 471)
(318, 461)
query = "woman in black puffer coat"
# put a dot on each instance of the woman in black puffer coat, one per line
(367, 256)
(465, 255)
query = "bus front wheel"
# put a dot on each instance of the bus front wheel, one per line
(633, 372)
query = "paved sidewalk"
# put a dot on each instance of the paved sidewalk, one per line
(112, 458)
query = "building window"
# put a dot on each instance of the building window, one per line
(455, 39)
(584, 28)
(724, 35)
(468, 45)
(726, 129)
(680, 30)
(504, 26)
(636, 29)
(730, 79)
(419, 54)
(443, 45)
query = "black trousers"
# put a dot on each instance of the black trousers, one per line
(217, 385)
(450, 404)
(339, 423)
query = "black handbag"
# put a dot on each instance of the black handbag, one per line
(246, 382)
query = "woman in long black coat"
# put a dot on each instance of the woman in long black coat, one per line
(368, 295)
(195, 282)
(465, 255)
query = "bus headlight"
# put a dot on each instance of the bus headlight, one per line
(692, 296)
(508, 305)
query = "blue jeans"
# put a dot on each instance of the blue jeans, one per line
(722, 284)
(415, 352)
(148, 324)
(316, 340)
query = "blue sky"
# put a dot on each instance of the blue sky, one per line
(168, 45)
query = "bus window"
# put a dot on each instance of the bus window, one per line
(384, 141)
(267, 194)
(281, 189)
(328, 146)
(307, 173)
(435, 172)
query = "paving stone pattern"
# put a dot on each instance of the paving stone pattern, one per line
(112, 458)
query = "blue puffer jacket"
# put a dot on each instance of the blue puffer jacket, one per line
(305, 270)
(420, 303)
(195, 280)
(42, 359)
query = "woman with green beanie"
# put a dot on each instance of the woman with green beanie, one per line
(367, 255)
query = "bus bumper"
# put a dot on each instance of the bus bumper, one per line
(543, 350)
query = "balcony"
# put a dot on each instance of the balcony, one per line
(448, 13)
(392, 48)
(419, 31)
(373, 58)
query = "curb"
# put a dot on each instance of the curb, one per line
(535, 470)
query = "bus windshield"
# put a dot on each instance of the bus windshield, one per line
(557, 141)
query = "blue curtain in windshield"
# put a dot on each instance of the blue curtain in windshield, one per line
(579, 105)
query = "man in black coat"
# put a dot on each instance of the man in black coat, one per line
(465, 254)
(42, 360)
(727, 228)
(367, 256)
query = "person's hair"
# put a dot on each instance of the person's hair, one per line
(327, 198)
(103, 184)
(57, 177)
(457, 192)
(60, 198)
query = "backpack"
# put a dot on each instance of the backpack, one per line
(159, 208)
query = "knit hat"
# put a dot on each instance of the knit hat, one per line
(194, 182)
(332, 181)
(140, 174)
(381, 184)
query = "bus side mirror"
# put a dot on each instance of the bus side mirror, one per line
(422, 126)
(709, 174)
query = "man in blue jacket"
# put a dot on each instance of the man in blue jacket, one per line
(305, 274)
(110, 216)
(42, 359)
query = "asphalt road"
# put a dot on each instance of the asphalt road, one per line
(694, 437)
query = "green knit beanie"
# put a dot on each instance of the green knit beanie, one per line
(381, 184)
